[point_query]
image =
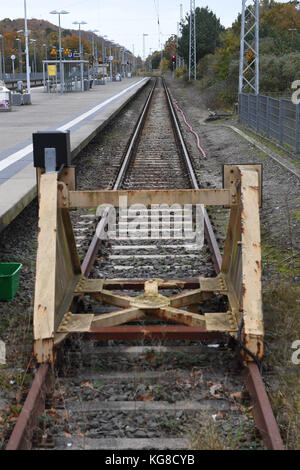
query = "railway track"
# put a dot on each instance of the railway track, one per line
(148, 395)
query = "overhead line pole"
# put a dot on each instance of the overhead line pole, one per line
(27, 51)
(249, 49)
(192, 43)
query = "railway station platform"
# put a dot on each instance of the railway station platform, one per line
(84, 114)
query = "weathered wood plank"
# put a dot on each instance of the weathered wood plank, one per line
(251, 254)
(44, 304)
(120, 317)
(214, 197)
(180, 316)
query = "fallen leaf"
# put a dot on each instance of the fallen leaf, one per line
(53, 413)
(150, 357)
(220, 415)
(145, 398)
(237, 395)
(195, 373)
(87, 385)
(214, 389)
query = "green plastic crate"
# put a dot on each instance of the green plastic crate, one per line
(9, 280)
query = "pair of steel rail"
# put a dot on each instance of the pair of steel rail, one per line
(34, 405)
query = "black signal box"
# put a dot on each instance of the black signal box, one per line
(59, 140)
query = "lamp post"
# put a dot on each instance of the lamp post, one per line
(46, 51)
(103, 56)
(2, 58)
(133, 59)
(79, 23)
(27, 51)
(144, 47)
(94, 51)
(111, 61)
(59, 13)
(20, 54)
(33, 41)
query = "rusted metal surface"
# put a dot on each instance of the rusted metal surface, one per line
(21, 438)
(136, 333)
(262, 410)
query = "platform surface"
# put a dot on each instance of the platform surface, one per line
(85, 114)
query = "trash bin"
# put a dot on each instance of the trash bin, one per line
(86, 85)
(16, 99)
(5, 98)
(9, 280)
(26, 98)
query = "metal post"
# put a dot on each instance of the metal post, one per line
(60, 59)
(79, 23)
(297, 129)
(177, 45)
(61, 70)
(281, 118)
(103, 58)
(268, 116)
(192, 43)
(144, 48)
(257, 113)
(20, 54)
(181, 60)
(81, 64)
(27, 50)
(2, 58)
(1, 69)
(249, 49)
(34, 57)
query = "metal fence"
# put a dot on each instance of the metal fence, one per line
(278, 119)
(21, 76)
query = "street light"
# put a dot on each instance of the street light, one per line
(94, 51)
(103, 57)
(60, 12)
(79, 23)
(2, 58)
(27, 51)
(144, 47)
(46, 51)
(112, 43)
(33, 41)
(20, 54)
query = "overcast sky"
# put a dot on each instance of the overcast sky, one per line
(124, 21)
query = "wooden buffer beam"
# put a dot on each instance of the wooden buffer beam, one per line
(59, 278)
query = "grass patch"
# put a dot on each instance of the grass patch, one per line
(220, 435)
(282, 323)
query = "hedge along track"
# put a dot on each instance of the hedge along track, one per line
(241, 195)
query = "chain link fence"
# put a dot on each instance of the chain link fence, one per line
(277, 118)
